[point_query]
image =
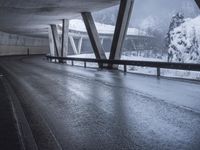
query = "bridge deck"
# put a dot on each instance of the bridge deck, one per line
(76, 108)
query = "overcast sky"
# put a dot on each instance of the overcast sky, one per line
(159, 11)
(162, 9)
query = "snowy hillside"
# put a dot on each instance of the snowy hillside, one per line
(78, 25)
(185, 41)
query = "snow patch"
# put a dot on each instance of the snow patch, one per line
(144, 70)
(78, 25)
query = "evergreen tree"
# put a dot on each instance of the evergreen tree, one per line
(176, 21)
(183, 40)
(193, 50)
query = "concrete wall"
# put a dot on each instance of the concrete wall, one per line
(11, 44)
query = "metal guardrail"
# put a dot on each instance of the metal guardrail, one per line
(125, 63)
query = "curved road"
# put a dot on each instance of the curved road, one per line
(73, 108)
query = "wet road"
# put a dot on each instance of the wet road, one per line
(75, 108)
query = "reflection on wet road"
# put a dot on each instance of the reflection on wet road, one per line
(75, 108)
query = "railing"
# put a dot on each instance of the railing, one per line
(125, 63)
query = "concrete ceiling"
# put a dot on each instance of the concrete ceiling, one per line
(32, 17)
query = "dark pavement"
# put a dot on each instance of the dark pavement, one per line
(9, 134)
(73, 108)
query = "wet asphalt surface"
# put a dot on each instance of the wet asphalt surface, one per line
(73, 108)
(8, 129)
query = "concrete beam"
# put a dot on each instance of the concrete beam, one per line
(56, 39)
(29, 17)
(65, 36)
(93, 35)
(51, 43)
(123, 19)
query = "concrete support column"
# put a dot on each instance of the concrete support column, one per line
(73, 45)
(65, 36)
(102, 40)
(80, 42)
(56, 40)
(123, 19)
(51, 43)
(93, 35)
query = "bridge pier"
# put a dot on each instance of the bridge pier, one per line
(65, 36)
(80, 42)
(56, 40)
(51, 43)
(93, 35)
(102, 40)
(123, 19)
(72, 42)
(59, 46)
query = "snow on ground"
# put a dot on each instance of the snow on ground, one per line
(144, 70)
(78, 25)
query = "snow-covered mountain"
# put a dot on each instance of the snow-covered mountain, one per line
(185, 41)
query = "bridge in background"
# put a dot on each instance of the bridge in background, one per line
(135, 39)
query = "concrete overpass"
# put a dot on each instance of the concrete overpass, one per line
(53, 106)
(35, 18)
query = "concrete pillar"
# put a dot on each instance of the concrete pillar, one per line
(56, 40)
(51, 43)
(124, 14)
(65, 36)
(102, 40)
(93, 35)
(73, 45)
(80, 42)
(134, 45)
